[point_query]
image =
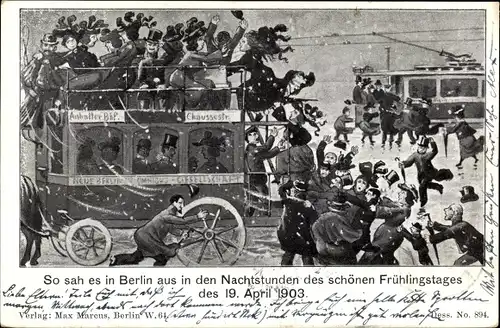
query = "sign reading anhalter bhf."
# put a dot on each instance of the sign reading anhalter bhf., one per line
(96, 116)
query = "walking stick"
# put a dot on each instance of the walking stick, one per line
(403, 173)
(431, 232)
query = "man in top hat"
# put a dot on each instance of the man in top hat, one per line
(141, 164)
(109, 154)
(150, 77)
(211, 147)
(255, 154)
(470, 242)
(414, 236)
(426, 172)
(294, 231)
(379, 92)
(356, 92)
(166, 163)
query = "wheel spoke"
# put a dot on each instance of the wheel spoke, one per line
(218, 233)
(87, 254)
(82, 230)
(197, 231)
(98, 247)
(77, 238)
(215, 219)
(91, 233)
(227, 242)
(219, 254)
(79, 249)
(79, 242)
(202, 251)
(191, 242)
(95, 251)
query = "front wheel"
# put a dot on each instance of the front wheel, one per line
(88, 242)
(216, 241)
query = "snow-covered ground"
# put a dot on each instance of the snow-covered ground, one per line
(262, 247)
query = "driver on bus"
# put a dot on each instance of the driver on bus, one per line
(149, 238)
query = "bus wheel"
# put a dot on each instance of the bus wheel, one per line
(216, 241)
(88, 242)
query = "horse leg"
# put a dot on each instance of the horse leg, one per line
(29, 244)
(38, 253)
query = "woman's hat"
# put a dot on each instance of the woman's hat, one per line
(111, 143)
(300, 185)
(49, 39)
(170, 140)
(468, 194)
(107, 35)
(423, 142)
(378, 82)
(392, 177)
(144, 143)
(154, 35)
(237, 13)
(211, 141)
(174, 33)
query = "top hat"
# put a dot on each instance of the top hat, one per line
(144, 143)
(367, 81)
(170, 140)
(423, 142)
(154, 35)
(340, 144)
(49, 39)
(237, 13)
(392, 177)
(114, 142)
(358, 78)
(468, 194)
(366, 168)
(378, 82)
(346, 179)
(300, 185)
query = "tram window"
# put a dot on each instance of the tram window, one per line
(422, 88)
(100, 151)
(483, 88)
(155, 152)
(56, 157)
(459, 88)
(211, 150)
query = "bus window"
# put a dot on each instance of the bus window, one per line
(56, 156)
(459, 88)
(422, 88)
(155, 152)
(100, 151)
(211, 150)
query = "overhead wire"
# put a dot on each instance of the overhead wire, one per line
(326, 44)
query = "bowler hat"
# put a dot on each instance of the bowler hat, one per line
(114, 142)
(468, 194)
(392, 177)
(170, 140)
(340, 144)
(49, 39)
(358, 78)
(423, 142)
(237, 13)
(378, 82)
(417, 226)
(154, 35)
(144, 143)
(378, 165)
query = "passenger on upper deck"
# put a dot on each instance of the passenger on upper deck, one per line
(141, 164)
(224, 42)
(85, 162)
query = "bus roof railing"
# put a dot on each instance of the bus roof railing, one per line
(162, 66)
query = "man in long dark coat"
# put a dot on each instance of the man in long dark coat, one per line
(149, 238)
(426, 172)
(469, 241)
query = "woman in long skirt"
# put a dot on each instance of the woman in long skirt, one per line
(469, 145)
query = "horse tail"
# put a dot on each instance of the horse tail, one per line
(31, 215)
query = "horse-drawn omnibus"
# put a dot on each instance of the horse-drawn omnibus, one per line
(108, 159)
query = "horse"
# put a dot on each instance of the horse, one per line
(31, 220)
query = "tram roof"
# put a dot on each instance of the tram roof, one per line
(426, 72)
